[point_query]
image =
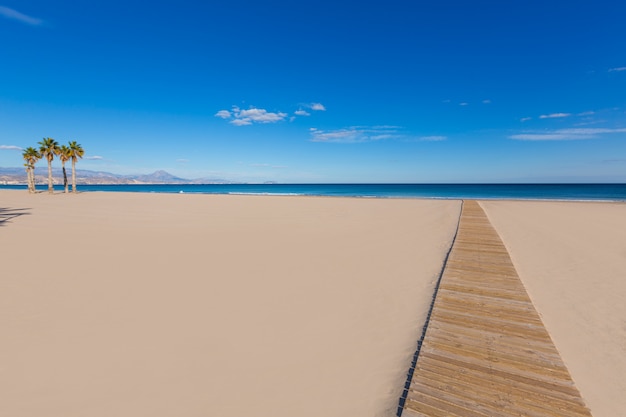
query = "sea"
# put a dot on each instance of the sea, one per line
(567, 192)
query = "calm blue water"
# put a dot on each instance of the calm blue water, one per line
(608, 192)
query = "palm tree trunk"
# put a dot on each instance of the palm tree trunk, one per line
(65, 178)
(50, 187)
(28, 177)
(73, 175)
(31, 179)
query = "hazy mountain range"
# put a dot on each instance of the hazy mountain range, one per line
(83, 176)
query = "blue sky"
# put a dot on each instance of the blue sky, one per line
(324, 91)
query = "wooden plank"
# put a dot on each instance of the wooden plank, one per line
(485, 351)
(490, 401)
(441, 371)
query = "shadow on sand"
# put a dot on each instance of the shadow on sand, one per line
(7, 214)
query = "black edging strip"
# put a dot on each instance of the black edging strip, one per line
(409, 376)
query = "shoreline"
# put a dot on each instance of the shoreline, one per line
(492, 192)
(435, 198)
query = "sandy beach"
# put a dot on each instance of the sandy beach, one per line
(164, 304)
(197, 305)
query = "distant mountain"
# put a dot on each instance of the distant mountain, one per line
(160, 177)
(83, 176)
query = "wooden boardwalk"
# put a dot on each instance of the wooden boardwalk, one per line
(485, 351)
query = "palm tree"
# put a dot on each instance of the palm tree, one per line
(49, 148)
(31, 156)
(64, 155)
(76, 151)
(28, 168)
(34, 156)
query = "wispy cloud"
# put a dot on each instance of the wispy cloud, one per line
(361, 134)
(554, 115)
(618, 69)
(486, 101)
(10, 148)
(567, 134)
(182, 160)
(94, 158)
(21, 17)
(431, 138)
(356, 134)
(268, 166)
(584, 114)
(592, 131)
(464, 104)
(545, 136)
(317, 107)
(301, 112)
(252, 115)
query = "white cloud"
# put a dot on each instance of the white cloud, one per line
(618, 69)
(567, 134)
(94, 158)
(241, 122)
(586, 113)
(260, 115)
(224, 114)
(15, 15)
(554, 115)
(464, 104)
(239, 117)
(249, 116)
(486, 102)
(525, 119)
(10, 148)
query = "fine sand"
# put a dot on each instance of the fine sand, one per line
(572, 259)
(195, 305)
